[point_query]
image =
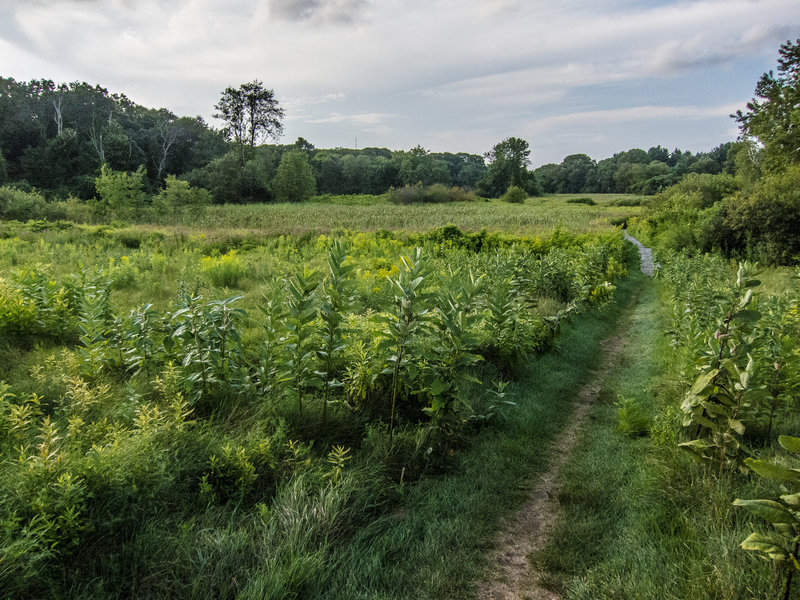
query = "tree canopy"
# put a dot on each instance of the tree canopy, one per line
(251, 113)
(508, 166)
(773, 116)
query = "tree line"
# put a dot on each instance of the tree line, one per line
(57, 137)
(634, 171)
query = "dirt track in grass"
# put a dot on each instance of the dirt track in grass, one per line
(512, 576)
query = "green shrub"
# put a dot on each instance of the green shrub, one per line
(294, 180)
(224, 271)
(632, 419)
(514, 195)
(178, 196)
(763, 221)
(587, 201)
(120, 193)
(432, 194)
(21, 205)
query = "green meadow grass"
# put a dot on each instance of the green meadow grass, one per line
(640, 520)
(535, 216)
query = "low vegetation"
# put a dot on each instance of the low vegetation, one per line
(240, 413)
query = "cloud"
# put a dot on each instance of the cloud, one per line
(359, 118)
(318, 11)
(631, 114)
(446, 73)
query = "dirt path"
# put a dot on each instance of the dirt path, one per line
(512, 576)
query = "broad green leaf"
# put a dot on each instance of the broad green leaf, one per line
(696, 444)
(759, 542)
(747, 315)
(438, 387)
(737, 426)
(769, 510)
(703, 381)
(773, 471)
(792, 444)
(792, 499)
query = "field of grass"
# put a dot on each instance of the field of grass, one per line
(238, 413)
(254, 417)
(371, 213)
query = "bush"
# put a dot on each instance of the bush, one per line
(224, 271)
(178, 196)
(763, 222)
(294, 181)
(587, 201)
(20, 205)
(514, 195)
(121, 193)
(432, 194)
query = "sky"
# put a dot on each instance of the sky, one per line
(593, 77)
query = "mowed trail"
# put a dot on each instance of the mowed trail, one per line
(511, 575)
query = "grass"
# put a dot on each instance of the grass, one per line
(435, 544)
(229, 493)
(368, 213)
(640, 521)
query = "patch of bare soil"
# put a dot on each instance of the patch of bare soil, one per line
(512, 576)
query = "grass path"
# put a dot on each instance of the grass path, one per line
(512, 574)
(438, 544)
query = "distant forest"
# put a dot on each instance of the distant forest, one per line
(56, 137)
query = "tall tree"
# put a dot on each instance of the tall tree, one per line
(251, 114)
(508, 165)
(294, 180)
(773, 116)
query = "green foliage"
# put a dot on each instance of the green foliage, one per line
(514, 195)
(431, 194)
(334, 302)
(93, 331)
(723, 389)
(121, 194)
(773, 117)
(299, 369)
(34, 306)
(508, 166)
(337, 458)
(587, 201)
(225, 271)
(294, 180)
(764, 220)
(632, 418)
(179, 197)
(21, 205)
(206, 336)
(403, 326)
(166, 409)
(780, 545)
(452, 357)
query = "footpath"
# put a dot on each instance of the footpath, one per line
(511, 574)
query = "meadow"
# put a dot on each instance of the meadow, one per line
(195, 412)
(303, 401)
(535, 216)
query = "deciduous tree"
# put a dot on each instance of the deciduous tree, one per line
(773, 116)
(251, 114)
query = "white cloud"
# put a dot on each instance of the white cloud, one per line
(414, 71)
(359, 118)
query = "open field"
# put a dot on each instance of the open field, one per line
(235, 411)
(535, 216)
